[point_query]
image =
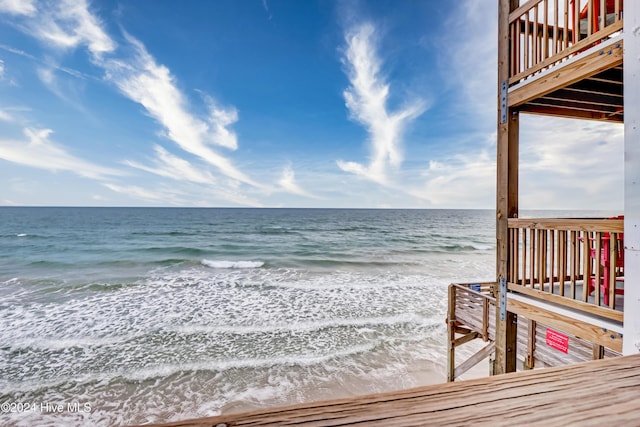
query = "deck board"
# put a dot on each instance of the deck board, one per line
(602, 392)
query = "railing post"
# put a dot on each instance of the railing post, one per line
(506, 188)
(451, 330)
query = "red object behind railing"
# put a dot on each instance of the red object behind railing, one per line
(605, 261)
(595, 17)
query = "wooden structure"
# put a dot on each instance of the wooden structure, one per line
(549, 397)
(560, 283)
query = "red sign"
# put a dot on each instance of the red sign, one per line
(557, 340)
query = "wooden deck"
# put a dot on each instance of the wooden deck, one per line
(597, 393)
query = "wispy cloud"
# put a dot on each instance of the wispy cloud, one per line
(289, 184)
(367, 99)
(463, 181)
(150, 84)
(174, 167)
(469, 63)
(68, 24)
(136, 74)
(39, 152)
(265, 5)
(162, 196)
(6, 117)
(18, 7)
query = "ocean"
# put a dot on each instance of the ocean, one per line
(112, 316)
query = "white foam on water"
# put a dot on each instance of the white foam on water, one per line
(217, 335)
(232, 264)
(21, 235)
(358, 323)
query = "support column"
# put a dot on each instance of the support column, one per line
(506, 192)
(631, 340)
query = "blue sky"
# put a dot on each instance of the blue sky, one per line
(274, 103)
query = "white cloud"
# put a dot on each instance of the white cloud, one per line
(289, 184)
(39, 152)
(571, 163)
(150, 84)
(18, 7)
(170, 166)
(137, 75)
(48, 78)
(219, 119)
(469, 63)
(463, 181)
(161, 196)
(68, 24)
(6, 117)
(366, 100)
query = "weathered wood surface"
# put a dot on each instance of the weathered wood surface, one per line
(598, 393)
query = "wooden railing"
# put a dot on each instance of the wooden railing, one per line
(471, 315)
(546, 32)
(572, 262)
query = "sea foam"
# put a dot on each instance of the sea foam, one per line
(232, 264)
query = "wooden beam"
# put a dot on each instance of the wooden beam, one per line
(613, 75)
(530, 363)
(562, 76)
(550, 101)
(451, 335)
(592, 86)
(572, 114)
(567, 224)
(587, 97)
(587, 331)
(605, 312)
(465, 339)
(482, 354)
(590, 101)
(506, 194)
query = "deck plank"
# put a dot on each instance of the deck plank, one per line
(602, 392)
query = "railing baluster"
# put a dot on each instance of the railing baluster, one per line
(532, 249)
(613, 266)
(565, 31)
(554, 46)
(526, 42)
(574, 262)
(586, 267)
(552, 259)
(597, 260)
(590, 18)
(545, 29)
(524, 257)
(534, 28)
(576, 21)
(562, 259)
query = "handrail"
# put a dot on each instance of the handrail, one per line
(470, 313)
(608, 225)
(545, 32)
(572, 262)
